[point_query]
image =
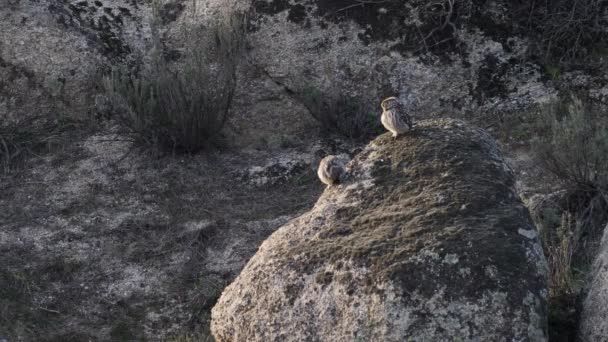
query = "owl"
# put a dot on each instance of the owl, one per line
(330, 170)
(394, 118)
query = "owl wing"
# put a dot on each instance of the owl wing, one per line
(404, 116)
(335, 171)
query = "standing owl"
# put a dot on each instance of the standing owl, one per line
(330, 170)
(394, 118)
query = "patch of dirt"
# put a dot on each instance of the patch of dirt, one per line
(101, 241)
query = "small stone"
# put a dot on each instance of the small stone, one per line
(529, 233)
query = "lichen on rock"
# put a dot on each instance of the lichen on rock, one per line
(422, 241)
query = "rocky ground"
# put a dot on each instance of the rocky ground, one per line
(100, 240)
(104, 241)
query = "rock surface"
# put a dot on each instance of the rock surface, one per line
(98, 243)
(593, 324)
(426, 240)
(292, 45)
(377, 49)
(52, 52)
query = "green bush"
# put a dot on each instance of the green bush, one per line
(342, 114)
(184, 106)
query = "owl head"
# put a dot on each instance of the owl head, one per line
(330, 159)
(389, 103)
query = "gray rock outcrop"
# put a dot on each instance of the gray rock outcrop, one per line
(594, 315)
(425, 240)
(375, 49)
(52, 52)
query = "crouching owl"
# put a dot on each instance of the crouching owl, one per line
(330, 170)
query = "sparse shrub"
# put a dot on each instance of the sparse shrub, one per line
(563, 243)
(29, 136)
(181, 106)
(564, 31)
(349, 116)
(573, 146)
(560, 236)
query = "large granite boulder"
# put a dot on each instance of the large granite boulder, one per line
(425, 240)
(594, 314)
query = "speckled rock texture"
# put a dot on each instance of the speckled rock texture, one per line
(425, 240)
(378, 49)
(52, 52)
(370, 50)
(594, 314)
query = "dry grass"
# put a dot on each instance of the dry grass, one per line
(29, 136)
(560, 236)
(182, 106)
(562, 241)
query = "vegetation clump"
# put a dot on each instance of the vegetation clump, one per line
(181, 106)
(565, 32)
(29, 136)
(572, 145)
(342, 114)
